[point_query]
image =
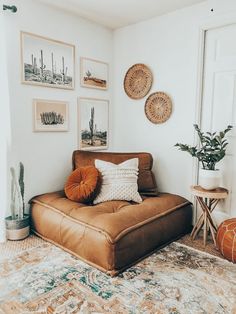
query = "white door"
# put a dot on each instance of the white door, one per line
(219, 103)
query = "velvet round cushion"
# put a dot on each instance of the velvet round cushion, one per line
(82, 185)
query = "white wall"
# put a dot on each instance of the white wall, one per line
(5, 129)
(169, 46)
(47, 156)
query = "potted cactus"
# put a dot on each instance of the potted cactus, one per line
(211, 150)
(17, 225)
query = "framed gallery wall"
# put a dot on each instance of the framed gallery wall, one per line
(50, 115)
(47, 62)
(93, 123)
(94, 73)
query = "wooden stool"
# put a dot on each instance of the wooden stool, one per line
(207, 199)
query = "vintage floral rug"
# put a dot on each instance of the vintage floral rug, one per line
(176, 279)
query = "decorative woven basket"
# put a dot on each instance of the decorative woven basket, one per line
(138, 81)
(158, 107)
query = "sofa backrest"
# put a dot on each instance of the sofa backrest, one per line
(146, 179)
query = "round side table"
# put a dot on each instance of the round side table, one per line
(207, 199)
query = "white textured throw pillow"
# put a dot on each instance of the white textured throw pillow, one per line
(119, 182)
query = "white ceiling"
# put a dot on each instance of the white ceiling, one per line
(119, 13)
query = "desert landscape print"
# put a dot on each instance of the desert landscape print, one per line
(93, 119)
(47, 62)
(94, 73)
(50, 115)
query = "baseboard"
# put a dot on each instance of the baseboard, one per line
(219, 217)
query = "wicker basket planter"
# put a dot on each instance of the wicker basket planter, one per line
(17, 229)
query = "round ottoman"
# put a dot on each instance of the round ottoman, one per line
(226, 239)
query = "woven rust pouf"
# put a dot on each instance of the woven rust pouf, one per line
(226, 239)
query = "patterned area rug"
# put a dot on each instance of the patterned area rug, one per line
(175, 280)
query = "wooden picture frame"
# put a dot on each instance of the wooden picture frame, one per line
(47, 62)
(94, 73)
(93, 114)
(50, 115)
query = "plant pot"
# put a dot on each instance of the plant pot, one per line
(209, 179)
(17, 229)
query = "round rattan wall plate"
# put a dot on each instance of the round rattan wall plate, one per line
(158, 107)
(138, 81)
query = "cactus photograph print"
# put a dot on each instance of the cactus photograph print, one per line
(50, 115)
(47, 62)
(93, 128)
(94, 73)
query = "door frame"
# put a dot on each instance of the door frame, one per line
(224, 20)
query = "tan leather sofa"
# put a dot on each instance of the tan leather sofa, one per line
(116, 234)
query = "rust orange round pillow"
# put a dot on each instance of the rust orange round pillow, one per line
(82, 185)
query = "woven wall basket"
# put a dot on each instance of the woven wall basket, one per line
(138, 81)
(158, 107)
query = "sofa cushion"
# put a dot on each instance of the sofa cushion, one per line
(146, 179)
(82, 184)
(112, 235)
(119, 182)
(115, 218)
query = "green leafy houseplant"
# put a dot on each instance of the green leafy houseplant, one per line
(212, 147)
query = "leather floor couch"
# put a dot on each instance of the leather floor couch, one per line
(116, 234)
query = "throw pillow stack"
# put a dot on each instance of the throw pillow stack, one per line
(117, 182)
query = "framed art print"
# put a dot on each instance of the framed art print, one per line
(93, 115)
(93, 73)
(47, 62)
(50, 115)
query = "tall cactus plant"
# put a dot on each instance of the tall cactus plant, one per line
(42, 65)
(21, 183)
(13, 194)
(63, 71)
(17, 190)
(88, 74)
(50, 118)
(53, 66)
(34, 64)
(91, 126)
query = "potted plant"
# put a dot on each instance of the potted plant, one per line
(17, 225)
(211, 150)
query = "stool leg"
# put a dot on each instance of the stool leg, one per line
(207, 211)
(213, 234)
(205, 228)
(197, 226)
